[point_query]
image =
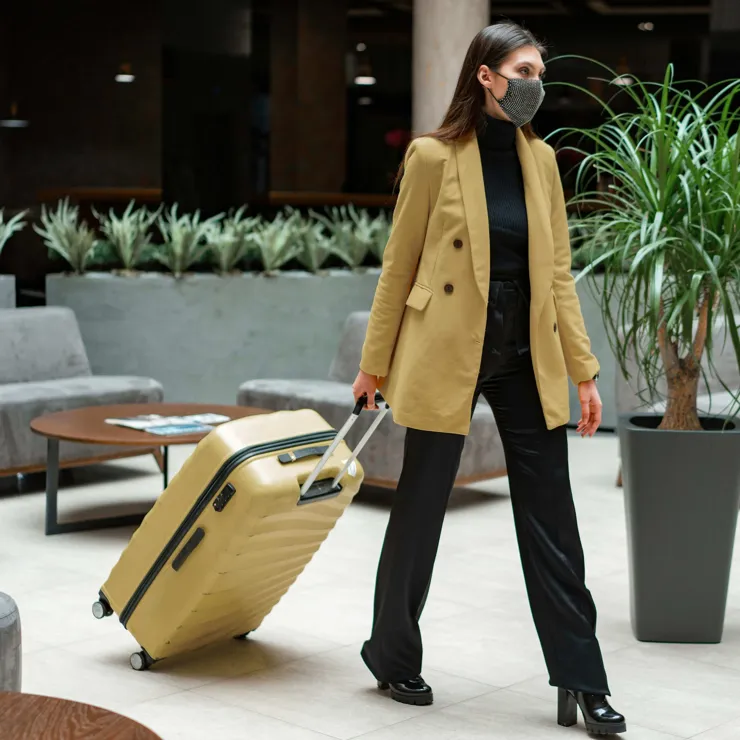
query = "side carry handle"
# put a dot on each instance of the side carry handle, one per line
(341, 434)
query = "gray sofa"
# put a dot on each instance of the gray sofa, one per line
(44, 368)
(483, 456)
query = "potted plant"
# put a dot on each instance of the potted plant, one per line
(670, 283)
(7, 282)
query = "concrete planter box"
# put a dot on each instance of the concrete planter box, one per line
(591, 309)
(7, 291)
(204, 335)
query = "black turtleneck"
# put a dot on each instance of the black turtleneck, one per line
(507, 211)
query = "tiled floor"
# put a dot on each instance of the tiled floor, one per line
(301, 678)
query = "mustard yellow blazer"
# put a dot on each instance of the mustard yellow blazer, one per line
(428, 318)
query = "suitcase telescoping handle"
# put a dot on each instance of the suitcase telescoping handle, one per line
(341, 434)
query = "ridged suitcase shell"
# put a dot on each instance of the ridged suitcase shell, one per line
(251, 552)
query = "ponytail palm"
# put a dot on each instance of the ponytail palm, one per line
(658, 197)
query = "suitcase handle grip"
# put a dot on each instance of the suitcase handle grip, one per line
(360, 405)
(341, 434)
(295, 455)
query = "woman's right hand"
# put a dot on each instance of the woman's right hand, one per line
(366, 385)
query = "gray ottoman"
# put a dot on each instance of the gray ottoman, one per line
(10, 645)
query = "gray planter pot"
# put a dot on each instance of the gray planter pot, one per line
(10, 645)
(591, 309)
(681, 494)
(204, 335)
(7, 291)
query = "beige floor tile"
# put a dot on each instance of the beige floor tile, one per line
(191, 715)
(664, 691)
(503, 715)
(58, 672)
(333, 693)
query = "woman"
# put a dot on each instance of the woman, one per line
(476, 297)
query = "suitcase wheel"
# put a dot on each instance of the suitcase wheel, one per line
(242, 637)
(141, 661)
(101, 609)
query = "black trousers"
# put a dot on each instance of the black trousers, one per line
(544, 517)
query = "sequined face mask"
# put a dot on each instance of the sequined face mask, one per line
(522, 99)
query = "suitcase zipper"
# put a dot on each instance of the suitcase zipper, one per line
(204, 499)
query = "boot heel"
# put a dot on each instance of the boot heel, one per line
(567, 708)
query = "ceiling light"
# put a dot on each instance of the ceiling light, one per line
(646, 26)
(365, 80)
(361, 46)
(124, 74)
(14, 121)
(624, 80)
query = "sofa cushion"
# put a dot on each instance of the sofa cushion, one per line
(20, 403)
(39, 344)
(382, 457)
(346, 361)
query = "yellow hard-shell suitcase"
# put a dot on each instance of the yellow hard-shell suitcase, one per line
(233, 530)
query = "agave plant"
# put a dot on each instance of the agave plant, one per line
(278, 241)
(66, 236)
(128, 235)
(233, 242)
(381, 231)
(671, 219)
(12, 226)
(349, 244)
(186, 239)
(315, 247)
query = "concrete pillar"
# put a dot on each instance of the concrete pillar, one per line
(443, 30)
(724, 41)
(308, 95)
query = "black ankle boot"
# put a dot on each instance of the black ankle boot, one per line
(598, 715)
(415, 691)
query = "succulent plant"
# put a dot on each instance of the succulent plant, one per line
(186, 239)
(65, 236)
(278, 241)
(354, 234)
(233, 242)
(12, 226)
(315, 247)
(128, 235)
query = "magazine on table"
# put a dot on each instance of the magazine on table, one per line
(170, 425)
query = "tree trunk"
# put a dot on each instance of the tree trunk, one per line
(683, 388)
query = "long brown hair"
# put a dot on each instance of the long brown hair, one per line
(491, 46)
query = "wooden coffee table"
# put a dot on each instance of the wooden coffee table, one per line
(88, 425)
(32, 717)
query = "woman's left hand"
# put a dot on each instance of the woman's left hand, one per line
(590, 399)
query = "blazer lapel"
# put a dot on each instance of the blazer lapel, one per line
(470, 172)
(541, 248)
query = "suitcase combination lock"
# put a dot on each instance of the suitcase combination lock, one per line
(224, 497)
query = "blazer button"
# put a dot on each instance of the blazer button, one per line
(457, 244)
(555, 327)
(449, 288)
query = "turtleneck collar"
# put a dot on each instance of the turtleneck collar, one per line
(496, 134)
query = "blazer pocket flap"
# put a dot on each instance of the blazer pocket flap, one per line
(419, 297)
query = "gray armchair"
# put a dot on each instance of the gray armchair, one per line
(44, 368)
(483, 456)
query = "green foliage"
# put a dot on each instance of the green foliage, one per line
(127, 238)
(66, 237)
(186, 239)
(233, 242)
(354, 234)
(278, 241)
(662, 188)
(12, 226)
(314, 246)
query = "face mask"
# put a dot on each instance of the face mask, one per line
(522, 99)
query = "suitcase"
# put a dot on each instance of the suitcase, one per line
(234, 529)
